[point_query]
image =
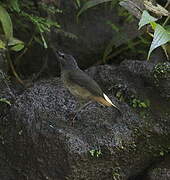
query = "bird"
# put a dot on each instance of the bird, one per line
(80, 84)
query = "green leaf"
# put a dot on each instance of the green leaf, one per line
(15, 5)
(2, 44)
(146, 18)
(161, 36)
(153, 24)
(5, 101)
(142, 104)
(16, 44)
(161, 153)
(92, 152)
(17, 47)
(13, 41)
(6, 23)
(78, 3)
(90, 4)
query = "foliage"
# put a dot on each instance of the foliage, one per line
(7, 39)
(146, 19)
(125, 14)
(119, 30)
(23, 16)
(133, 101)
(78, 3)
(6, 23)
(141, 104)
(41, 24)
(161, 35)
(95, 153)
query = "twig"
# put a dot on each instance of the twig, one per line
(9, 89)
(167, 4)
(166, 20)
(12, 67)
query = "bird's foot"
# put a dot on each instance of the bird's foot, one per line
(73, 116)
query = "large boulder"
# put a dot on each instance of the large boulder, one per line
(40, 143)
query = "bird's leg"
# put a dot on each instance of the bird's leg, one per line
(118, 110)
(80, 107)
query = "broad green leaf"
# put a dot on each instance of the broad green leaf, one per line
(2, 44)
(146, 19)
(17, 47)
(15, 5)
(161, 36)
(6, 23)
(90, 4)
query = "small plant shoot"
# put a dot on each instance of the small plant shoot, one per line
(95, 153)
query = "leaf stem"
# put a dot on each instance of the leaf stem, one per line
(166, 20)
(12, 67)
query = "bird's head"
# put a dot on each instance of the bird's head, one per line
(67, 61)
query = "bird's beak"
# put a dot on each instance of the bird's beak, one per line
(59, 54)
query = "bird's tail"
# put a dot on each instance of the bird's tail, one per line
(105, 101)
(109, 101)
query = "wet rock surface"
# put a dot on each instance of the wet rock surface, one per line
(161, 171)
(162, 78)
(40, 143)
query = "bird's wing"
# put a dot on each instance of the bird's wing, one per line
(83, 80)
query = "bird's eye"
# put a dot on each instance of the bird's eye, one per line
(61, 55)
